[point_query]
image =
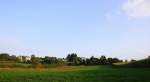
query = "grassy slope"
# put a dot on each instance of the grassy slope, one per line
(10, 64)
(76, 74)
(145, 63)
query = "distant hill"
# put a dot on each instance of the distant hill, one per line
(145, 63)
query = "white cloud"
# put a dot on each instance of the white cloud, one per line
(137, 8)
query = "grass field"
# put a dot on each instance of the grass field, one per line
(76, 74)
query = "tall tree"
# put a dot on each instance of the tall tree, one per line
(4, 57)
(73, 58)
(103, 60)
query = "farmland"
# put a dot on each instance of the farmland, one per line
(75, 74)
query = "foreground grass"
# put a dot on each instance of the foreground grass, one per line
(76, 74)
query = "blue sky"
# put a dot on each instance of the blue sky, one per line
(115, 28)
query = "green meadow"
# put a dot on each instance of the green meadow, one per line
(75, 74)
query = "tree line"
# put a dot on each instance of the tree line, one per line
(71, 59)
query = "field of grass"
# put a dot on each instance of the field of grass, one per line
(76, 74)
(140, 63)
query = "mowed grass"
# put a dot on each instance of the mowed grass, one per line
(76, 74)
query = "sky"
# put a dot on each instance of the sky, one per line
(114, 28)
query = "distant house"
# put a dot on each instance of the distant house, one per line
(24, 58)
(27, 58)
(20, 58)
(83, 58)
(62, 59)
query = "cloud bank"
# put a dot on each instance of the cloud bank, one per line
(137, 8)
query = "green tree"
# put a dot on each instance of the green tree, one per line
(4, 57)
(103, 60)
(94, 61)
(109, 60)
(14, 58)
(73, 59)
(34, 59)
(50, 60)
